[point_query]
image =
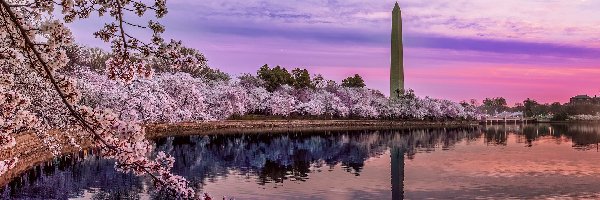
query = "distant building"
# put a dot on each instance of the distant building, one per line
(584, 99)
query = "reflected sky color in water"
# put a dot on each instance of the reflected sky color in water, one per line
(486, 162)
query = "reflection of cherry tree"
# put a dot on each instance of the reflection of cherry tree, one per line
(69, 176)
(279, 158)
(291, 157)
(284, 157)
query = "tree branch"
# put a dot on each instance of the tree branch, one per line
(30, 45)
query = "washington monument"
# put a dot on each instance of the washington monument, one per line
(397, 61)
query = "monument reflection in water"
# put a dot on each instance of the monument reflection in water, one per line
(349, 164)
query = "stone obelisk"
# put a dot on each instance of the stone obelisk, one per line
(397, 61)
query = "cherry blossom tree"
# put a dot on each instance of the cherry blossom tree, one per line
(281, 102)
(257, 100)
(226, 99)
(322, 102)
(33, 43)
(187, 94)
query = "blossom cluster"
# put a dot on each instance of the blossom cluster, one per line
(14, 117)
(5, 165)
(125, 142)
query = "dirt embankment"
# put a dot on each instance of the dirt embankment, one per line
(30, 151)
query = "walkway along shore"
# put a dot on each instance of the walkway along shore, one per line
(31, 153)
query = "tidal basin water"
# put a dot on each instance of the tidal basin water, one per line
(497, 162)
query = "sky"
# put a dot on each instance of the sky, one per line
(547, 50)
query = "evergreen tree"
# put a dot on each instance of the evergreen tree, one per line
(354, 82)
(301, 78)
(529, 105)
(275, 77)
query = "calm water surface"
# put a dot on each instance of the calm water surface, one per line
(497, 162)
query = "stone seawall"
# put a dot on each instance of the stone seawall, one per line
(31, 153)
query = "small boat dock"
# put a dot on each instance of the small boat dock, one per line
(507, 120)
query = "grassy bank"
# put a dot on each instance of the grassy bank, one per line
(283, 126)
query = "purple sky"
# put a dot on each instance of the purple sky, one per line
(456, 49)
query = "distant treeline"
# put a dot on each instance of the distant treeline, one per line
(532, 108)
